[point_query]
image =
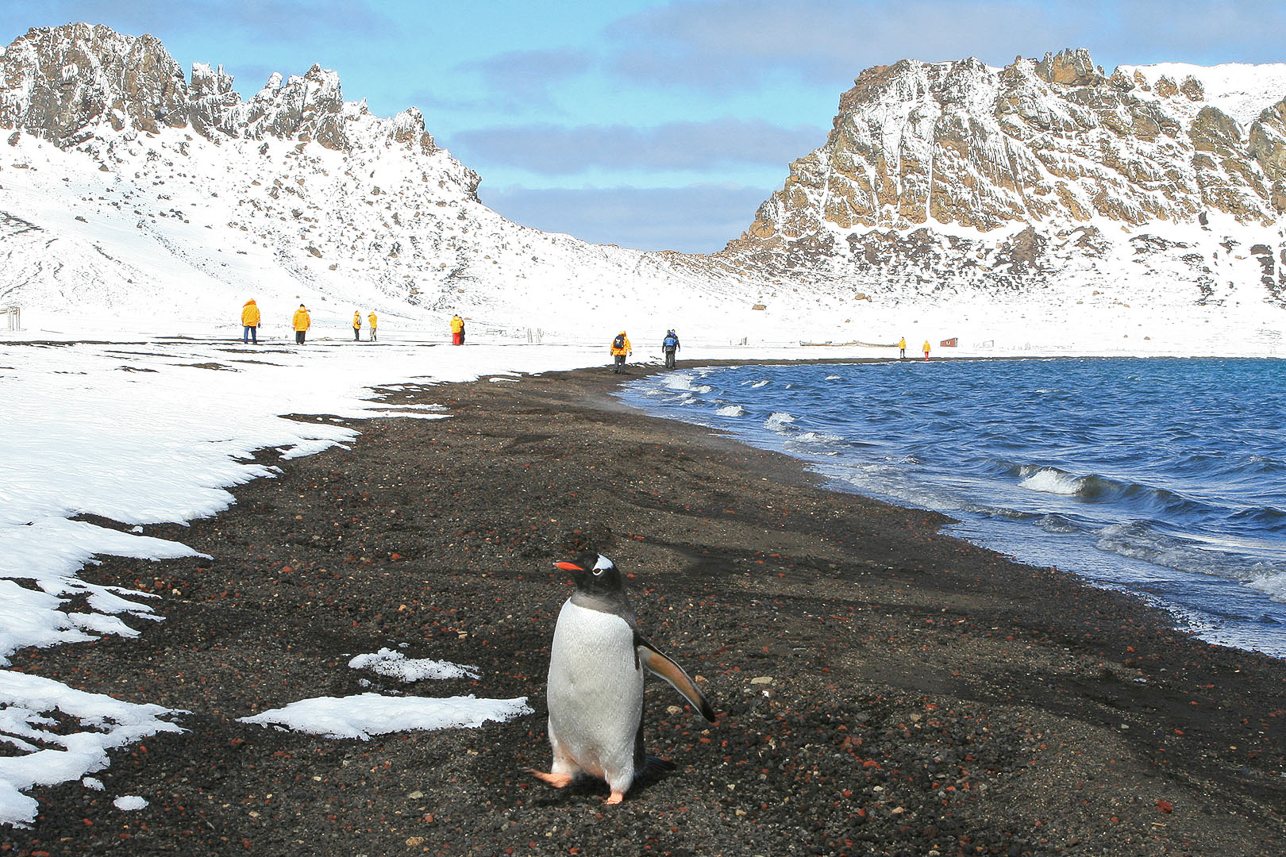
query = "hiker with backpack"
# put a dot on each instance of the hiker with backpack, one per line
(669, 345)
(620, 350)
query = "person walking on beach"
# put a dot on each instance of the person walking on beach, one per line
(669, 345)
(357, 326)
(926, 349)
(301, 322)
(902, 348)
(457, 330)
(374, 321)
(620, 350)
(250, 322)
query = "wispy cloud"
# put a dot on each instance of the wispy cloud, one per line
(270, 20)
(524, 78)
(724, 45)
(700, 218)
(554, 150)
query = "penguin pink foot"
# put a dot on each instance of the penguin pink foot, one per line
(558, 781)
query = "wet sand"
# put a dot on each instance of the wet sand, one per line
(882, 689)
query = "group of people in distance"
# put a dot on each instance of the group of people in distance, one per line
(357, 325)
(251, 317)
(902, 349)
(621, 349)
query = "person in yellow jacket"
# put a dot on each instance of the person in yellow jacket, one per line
(301, 322)
(374, 324)
(357, 326)
(620, 350)
(902, 348)
(250, 322)
(457, 330)
(926, 349)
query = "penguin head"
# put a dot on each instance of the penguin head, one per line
(594, 574)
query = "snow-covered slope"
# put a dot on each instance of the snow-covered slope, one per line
(126, 190)
(1043, 205)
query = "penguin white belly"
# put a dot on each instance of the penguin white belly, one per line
(595, 693)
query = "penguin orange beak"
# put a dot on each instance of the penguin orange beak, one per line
(568, 566)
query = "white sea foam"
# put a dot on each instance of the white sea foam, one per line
(817, 437)
(778, 420)
(731, 411)
(1050, 481)
(763, 382)
(1272, 585)
(684, 381)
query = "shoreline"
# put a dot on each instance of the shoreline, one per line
(1246, 620)
(881, 687)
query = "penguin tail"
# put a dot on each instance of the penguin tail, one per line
(655, 766)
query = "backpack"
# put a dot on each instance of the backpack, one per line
(670, 341)
(619, 341)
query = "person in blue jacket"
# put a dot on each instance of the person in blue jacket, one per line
(669, 346)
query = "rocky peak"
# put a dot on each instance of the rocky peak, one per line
(57, 82)
(310, 107)
(965, 145)
(67, 83)
(1069, 68)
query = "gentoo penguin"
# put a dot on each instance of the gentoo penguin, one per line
(595, 691)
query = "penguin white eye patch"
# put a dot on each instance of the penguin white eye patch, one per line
(602, 565)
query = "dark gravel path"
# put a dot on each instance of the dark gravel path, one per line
(882, 689)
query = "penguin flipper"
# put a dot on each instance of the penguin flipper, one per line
(658, 664)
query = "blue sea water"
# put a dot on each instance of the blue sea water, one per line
(1162, 477)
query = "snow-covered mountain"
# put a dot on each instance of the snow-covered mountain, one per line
(1001, 206)
(126, 188)
(1163, 185)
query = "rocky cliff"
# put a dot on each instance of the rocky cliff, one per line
(941, 174)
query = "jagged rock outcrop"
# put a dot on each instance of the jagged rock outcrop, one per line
(1032, 150)
(62, 83)
(961, 144)
(65, 80)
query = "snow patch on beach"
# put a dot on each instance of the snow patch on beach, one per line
(370, 714)
(61, 734)
(391, 664)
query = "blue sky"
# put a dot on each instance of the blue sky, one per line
(659, 124)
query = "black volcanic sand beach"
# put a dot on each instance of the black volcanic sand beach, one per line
(882, 689)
